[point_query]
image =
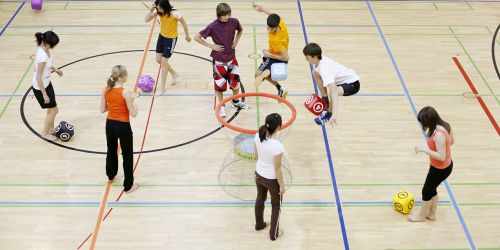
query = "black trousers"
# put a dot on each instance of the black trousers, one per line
(120, 130)
(264, 185)
(434, 178)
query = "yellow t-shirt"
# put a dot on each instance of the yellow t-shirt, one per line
(168, 27)
(278, 41)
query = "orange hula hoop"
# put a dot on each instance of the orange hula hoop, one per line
(254, 131)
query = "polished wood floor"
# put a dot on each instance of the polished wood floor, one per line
(50, 195)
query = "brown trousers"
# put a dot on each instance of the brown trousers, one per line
(263, 185)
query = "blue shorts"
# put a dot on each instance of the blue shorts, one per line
(165, 46)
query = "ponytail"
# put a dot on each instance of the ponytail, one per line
(39, 38)
(111, 83)
(116, 72)
(49, 37)
(273, 123)
(262, 132)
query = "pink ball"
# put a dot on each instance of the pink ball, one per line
(146, 83)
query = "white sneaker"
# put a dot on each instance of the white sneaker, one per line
(222, 111)
(240, 104)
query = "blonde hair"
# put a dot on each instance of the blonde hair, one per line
(116, 72)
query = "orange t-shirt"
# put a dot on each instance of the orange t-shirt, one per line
(432, 146)
(278, 40)
(117, 106)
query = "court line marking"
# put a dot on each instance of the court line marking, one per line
(410, 101)
(12, 18)
(479, 98)
(327, 146)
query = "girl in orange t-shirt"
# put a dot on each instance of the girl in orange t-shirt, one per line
(119, 104)
(441, 165)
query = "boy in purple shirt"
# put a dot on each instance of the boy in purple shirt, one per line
(225, 67)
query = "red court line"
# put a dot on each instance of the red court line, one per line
(146, 50)
(479, 98)
(99, 217)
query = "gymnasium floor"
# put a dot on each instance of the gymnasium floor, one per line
(408, 54)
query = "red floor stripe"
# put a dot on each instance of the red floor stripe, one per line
(145, 131)
(479, 98)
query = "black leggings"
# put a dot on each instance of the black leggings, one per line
(120, 130)
(434, 178)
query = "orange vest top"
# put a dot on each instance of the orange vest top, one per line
(432, 146)
(117, 106)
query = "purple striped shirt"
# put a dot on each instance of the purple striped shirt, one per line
(222, 33)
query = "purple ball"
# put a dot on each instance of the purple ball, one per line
(146, 83)
(36, 4)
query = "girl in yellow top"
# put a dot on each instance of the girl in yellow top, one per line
(277, 52)
(169, 17)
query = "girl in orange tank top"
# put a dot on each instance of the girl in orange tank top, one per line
(441, 165)
(119, 104)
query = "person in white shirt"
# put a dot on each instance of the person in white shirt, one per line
(42, 86)
(269, 174)
(333, 80)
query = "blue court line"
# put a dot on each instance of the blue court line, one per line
(194, 203)
(190, 25)
(11, 18)
(403, 84)
(327, 146)
(190, 94)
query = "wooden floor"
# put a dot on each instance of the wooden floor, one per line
(50, 196)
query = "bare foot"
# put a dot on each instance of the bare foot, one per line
(133, 188)
(52, 132)
(261, 77)
(431, 217)
(174, 80)
(50, 137)
(415, 218)
(160, 91)
(135, 95)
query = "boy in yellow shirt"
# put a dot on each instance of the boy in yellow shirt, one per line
(277, 52)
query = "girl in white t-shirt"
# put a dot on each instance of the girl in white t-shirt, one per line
(269, 174)
(42, 86)
(333, 80)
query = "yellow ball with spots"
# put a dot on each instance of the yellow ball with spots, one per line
(403, 202)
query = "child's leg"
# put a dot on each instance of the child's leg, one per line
(164, 72)
(174, 74)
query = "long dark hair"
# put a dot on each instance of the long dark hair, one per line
(49, 37)
(166, 6)
(429, 118)
(273, 123)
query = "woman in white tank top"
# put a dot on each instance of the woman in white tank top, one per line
(269, 174)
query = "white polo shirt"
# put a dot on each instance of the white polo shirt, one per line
(334, 72)
(40, 57)
(267, 151)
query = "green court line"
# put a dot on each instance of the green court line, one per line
(66, 6)
(298, 185)
(435, 6)
(491, 33)
(255, 66)
(474, 63)
(17, 87)
(470, 6)
(249, 205)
